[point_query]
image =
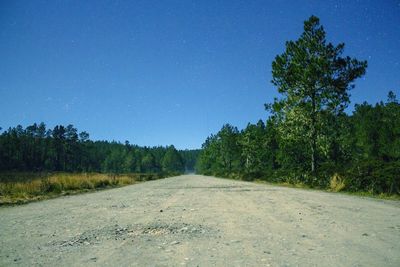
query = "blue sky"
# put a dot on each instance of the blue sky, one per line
(172, 72)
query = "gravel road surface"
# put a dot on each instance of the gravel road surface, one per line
(194, 220)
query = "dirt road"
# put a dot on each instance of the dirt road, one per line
(202, 221)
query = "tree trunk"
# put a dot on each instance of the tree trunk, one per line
(313, 135)
(313, 160)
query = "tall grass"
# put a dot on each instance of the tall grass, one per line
(24, 187)
(337, 183)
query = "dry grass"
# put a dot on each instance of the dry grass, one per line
(337, 183)
(16, 188)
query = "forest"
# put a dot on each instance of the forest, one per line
(310, 137)
(362, 152)
(64, 149)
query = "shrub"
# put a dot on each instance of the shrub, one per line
(375, 177)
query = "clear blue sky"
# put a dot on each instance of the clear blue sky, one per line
(172, 72)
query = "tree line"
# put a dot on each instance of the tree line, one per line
(309, 138)
(63, 148)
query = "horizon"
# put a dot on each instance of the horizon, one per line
(172, 73)
(348, 111)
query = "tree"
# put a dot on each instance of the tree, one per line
(148, 163)
(253, 147)
(114, 162)
(83, 137)
(314, 80)
(190, 157)
(208, 161)
(221, 153)
(58, 150)
(229, 152)
(377, 130)
(172, 161)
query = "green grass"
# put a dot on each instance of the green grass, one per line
(337, 185)
(306, 187)
(19, 187)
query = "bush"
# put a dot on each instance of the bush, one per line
(51, 186)
(374, 176)
(102, 183)
(86, 184)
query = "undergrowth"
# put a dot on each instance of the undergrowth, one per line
(18, 188)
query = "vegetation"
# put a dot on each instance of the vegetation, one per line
(63, 149)
(17, 187)
(190, 158)
(309, 139)
(36, 162)
(314, 81)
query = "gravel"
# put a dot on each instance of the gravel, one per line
(196, 220)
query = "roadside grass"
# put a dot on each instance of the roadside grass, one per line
(335, 191)
(21, 187)
(371, 195)
(337, 184)
(297, 185)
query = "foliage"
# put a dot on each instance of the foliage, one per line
(314, 80)
(172, 161)
(63, 149)
(363, 157)
(190, 158)
(221, 152)
(309, 139)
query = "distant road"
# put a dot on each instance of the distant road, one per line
(195, 220)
